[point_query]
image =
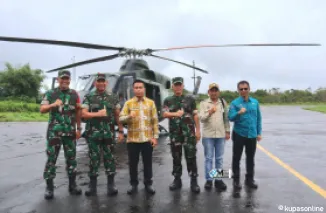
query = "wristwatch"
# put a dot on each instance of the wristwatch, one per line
(79, 128)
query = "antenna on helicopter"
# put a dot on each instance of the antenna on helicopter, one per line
(196, 83)
(194, 77)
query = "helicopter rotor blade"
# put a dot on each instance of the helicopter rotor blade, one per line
(238, 45)
(104, 58)
(182, 63)
(57, 42)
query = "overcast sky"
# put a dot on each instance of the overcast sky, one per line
(150, 24)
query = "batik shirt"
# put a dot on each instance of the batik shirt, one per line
(144, 126)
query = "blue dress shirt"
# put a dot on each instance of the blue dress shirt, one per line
(249, 124)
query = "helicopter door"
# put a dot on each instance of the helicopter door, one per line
(125, 90)
(153, 92)
(129, 88)
(157, 97)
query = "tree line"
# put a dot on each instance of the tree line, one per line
(21, 83)
(274, 96)
(24, 83)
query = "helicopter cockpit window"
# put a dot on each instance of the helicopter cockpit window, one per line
(112, 79)
(84, 82)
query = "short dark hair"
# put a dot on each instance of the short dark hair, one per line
(243, 82)
(138, 81)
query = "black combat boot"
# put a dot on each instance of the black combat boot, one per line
(112, 190)
(149, 189)
(73, 188)
(92, 187)
(176, 184)
(237, 184)
(250, 182)
(49, 189)
(208, 184)
(133, 189)
(194, 185)
(220, 185)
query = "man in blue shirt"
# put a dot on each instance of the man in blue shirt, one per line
(245, 112)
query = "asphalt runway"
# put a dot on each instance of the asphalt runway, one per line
(290, 172)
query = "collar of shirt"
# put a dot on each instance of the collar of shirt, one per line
(209, 100)
(249, 99)
(142, 99)
(63, 91)
(100, 93)
(178, 96)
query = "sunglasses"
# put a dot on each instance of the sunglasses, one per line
(242, 89)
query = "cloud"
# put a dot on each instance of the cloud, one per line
(159, 24)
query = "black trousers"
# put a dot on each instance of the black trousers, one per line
(134, 151)
(249, 144)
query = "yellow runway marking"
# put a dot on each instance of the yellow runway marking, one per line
(308, 182)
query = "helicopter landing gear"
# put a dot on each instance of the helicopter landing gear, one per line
(162, 130)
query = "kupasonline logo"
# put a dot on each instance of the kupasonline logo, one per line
(214, 173)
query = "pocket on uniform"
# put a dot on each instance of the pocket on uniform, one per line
(95, 107)
(72, 107)
(253, 110)
(109, 107)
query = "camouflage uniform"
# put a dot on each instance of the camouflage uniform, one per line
(182, 134)
(100, 135)
(61, 131)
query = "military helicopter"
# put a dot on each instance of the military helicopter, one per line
(157, 85)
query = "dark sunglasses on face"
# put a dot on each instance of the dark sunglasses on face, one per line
(242, 89)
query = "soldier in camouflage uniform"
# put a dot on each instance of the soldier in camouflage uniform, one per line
(184, 130)
(101, 111)
(65, 112)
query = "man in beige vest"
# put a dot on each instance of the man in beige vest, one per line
(216, 129)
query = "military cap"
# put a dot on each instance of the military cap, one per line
(177, 80)
(213, 85)
(100, 76)
(64, 73)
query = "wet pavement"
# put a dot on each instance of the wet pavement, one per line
(291, 136)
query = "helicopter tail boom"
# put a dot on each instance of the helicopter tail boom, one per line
(197, 85)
